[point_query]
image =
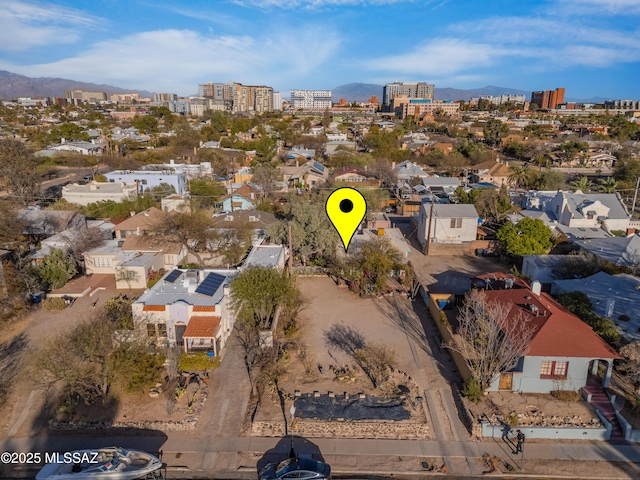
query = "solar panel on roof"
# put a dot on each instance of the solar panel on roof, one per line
(173, 276)
(210, 285)
(318, 166)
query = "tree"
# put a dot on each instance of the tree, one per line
(56, 269)
(11, 228)
(579, 304)
(608, 185)
(372, 264)
(314, 238)
(551, 179)
(375, 359)
(492, 205)
(621, 129)
(494, 130)
(19, 171)
(489, 341)
(527, 237)
(519, 175)
(265, 176)
(188, 228)
(583, 184)
(259, 293)
(145, 123)
(79, 240)
(572, 148)
(206, 192)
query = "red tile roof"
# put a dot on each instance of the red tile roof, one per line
(154, 308)
(204, 308)
(557, 332)
(202, 327)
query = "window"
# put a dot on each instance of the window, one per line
(456, 223)
(554, 370)
(151, 330)
(162, 330)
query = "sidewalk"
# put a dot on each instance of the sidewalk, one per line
(215, 456)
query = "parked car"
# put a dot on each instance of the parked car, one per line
(296, 468)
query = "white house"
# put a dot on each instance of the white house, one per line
(99, 191)
(188, 308)
(450, 223)
(150, 179)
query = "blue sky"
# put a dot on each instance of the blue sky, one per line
(591, 47)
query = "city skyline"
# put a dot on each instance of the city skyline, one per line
(587, 46)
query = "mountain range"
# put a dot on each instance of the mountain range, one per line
(362, 92)
(13, 86)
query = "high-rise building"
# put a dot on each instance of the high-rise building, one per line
(164, 97)
(410, 89)
(277, 101)
(311, 99)
(235, 97)
(548, 99)
(80, 95)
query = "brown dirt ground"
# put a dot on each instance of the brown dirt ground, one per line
(503, 403)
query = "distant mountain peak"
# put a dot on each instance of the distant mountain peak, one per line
(13, 85)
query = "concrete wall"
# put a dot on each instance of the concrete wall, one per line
(439, 317)
(496, 431)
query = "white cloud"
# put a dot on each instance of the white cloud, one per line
(524, 43)
(25, 25)
(440, 57)
(178, 60)
(599, 7)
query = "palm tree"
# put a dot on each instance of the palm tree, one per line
(583, 184)
(608, 185)
(519, 174)
(541, 160)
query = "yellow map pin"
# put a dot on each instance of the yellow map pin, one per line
(346, 208)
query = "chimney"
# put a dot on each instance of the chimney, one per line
(536, 288)
(63, 141)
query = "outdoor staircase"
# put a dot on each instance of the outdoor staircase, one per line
(600, 400)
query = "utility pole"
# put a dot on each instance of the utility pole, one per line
(290, 252)
(429, 230)
(635, 197)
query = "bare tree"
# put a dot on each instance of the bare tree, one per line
(19, 171)
(188, 228)
(488, 339)
(375, 359)
(80, 240)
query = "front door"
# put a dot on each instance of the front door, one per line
(506, 381)
(180, 328)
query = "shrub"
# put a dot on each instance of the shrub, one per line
(513, 420)
(566, 395)
(197, 362)
(54, 304)
(472, 390)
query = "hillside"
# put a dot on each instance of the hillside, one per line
(13, 86)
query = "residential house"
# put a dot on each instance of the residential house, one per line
(494, 172)
(255, 220)
(612, 296)
(577, 215)
(407, 170)
(171, 253)
(622, 251)
(540, 268)
(447, 223)
(356, 177)
(144, 221)
(40, 224)
(99, 192)
(300, 153)
(188, 308)
(150, 179)
(83, 148)
(564, 350)
(270, 256)
(244, 198)
(307, 175)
